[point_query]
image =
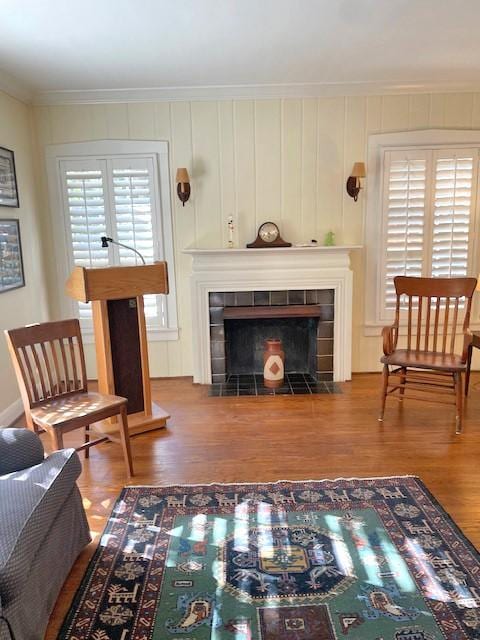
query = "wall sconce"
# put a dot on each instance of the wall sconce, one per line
(183, 185)
(353, 182)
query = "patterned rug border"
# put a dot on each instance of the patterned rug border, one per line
(243, 484)
(98, 549)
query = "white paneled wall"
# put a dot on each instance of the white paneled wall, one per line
(281, 160)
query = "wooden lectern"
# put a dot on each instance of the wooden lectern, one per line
(117, 294)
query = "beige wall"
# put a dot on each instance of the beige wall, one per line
(28, 304)
(281, 160)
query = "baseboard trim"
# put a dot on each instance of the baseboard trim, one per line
(11, 413)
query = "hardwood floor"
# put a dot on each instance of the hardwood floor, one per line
(242, 439)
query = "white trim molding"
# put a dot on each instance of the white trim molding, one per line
(245, 92)
(273, 269)
(11, 413)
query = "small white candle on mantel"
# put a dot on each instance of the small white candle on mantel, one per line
(230, 232)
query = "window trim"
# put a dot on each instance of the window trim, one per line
(56, 153)
(378, 144)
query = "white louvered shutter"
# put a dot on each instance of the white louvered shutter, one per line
(134, 201)
(84, 197)
(85, 200)
(404, 195)
(454, 172)
(133, 196)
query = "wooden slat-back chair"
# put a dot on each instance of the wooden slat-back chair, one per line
(429, 365)
(49, 363)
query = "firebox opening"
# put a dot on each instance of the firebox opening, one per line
(245, 343)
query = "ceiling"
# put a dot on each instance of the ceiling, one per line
(62, 45)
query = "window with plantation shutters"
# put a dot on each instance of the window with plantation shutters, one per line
(117, 195)
(422, 214)
(428, 212)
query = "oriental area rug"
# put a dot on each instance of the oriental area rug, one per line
(371, 559)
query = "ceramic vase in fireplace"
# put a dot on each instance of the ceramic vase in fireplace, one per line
(273, 363)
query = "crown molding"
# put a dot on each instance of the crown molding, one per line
(244, 92)
(15, 88)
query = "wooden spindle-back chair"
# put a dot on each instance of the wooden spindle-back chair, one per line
(49, 363)
(438, 309)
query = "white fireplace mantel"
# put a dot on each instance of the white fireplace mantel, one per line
(273, 269)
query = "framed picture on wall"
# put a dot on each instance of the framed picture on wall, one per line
(8, 179)
(11, 261)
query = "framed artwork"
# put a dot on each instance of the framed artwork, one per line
(8, 179)
(11, 262)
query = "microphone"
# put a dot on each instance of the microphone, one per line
(105, 240)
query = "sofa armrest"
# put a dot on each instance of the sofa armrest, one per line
(19, 449)
(30, 501)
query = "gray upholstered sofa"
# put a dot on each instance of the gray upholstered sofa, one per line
(43, 528)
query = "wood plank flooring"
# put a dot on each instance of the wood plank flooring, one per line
(254, 439)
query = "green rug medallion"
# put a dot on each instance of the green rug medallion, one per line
(359, 559)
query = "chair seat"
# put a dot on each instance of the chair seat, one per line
(425, 360)
(76, 407)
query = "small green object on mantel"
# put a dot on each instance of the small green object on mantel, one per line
(330, 239)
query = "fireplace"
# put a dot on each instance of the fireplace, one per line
(275, 277)
(241, 321)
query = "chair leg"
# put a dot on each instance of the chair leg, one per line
(457, 378)
(384, 391)
(467, 374)
(87, 440)
(403, 381)
(57, 439)
(125, 438)
(30, 423)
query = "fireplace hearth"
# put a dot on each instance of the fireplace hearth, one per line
(252, 385)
